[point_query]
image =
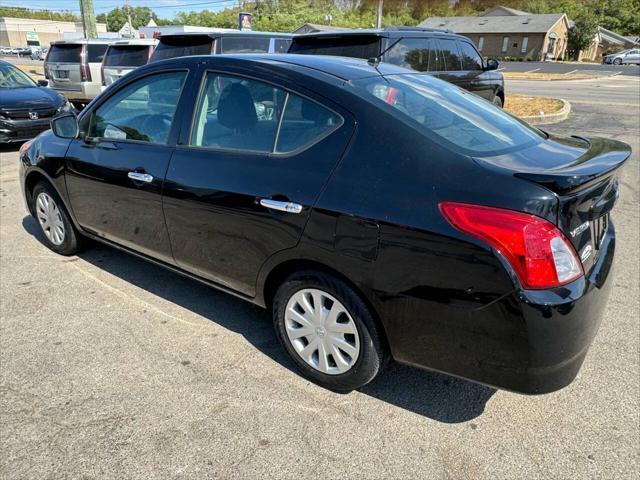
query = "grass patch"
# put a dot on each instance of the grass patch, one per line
(525, 106)
(546, 76)
(34, 71)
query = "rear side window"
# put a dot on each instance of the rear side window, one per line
(419, 54)
(355, 46)
(127, 56)
(141, 111)
(171, 47)
(450, 54)
(95, 53)
(65, 53)
(470, 58)
(245, 44)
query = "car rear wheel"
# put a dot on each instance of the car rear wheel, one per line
(59, 233)
(328, 331)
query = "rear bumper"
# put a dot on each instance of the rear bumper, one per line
(21, 130)
(530, 342)
(87, 91)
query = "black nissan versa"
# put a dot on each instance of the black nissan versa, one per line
(378, 212)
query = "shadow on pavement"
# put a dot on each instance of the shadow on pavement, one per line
(433, 395)
(10, 147)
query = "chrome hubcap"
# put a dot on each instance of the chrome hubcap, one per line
(50, 219)
(321, 331)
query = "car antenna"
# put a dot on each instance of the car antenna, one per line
(375, 61)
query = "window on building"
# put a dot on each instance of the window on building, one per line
(505, 44)
(525, 44)
(480, 43)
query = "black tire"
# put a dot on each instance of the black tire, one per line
(617, 61)
(373, 354)
(497, 101)
(72, 241)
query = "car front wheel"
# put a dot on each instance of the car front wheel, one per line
(328, 331)
(617, 61)
(54, 222)
(497, 101)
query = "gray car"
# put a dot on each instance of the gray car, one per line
(124, 56)
(626, 57)
(73, 68)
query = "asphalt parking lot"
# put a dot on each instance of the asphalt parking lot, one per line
(112, 367)
(595, 69)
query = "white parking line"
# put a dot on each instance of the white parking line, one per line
(531, 71)
(572, 71)
(498, 69)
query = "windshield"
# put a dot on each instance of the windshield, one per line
(12, 77)
(448, 114)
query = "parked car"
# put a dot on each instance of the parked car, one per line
(124, 56)
(450, 57)
(73, 68)
(217, 42)
(26, 107)
(625, 57)
(5, 50)
(376, 211)
(38, 53)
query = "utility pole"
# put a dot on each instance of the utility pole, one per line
(88, 19)
(129, 18)
(379, 15)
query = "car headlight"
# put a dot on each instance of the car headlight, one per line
(65, 108)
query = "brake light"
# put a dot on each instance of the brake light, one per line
(540, 254)
(85, 72)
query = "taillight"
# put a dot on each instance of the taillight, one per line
(540, 254)
(85, 72)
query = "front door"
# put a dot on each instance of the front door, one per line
(116, 172)
(242, 187)
(474, 78)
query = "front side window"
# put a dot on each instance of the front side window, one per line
(241, 114)
(449, 51)
(142, 111)
(470, 58)
(448, 115)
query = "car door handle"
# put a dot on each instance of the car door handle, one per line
(140, 177)
(289, 207)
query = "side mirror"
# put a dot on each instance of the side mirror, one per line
(43, 83)
(65, 126)
(492, 64)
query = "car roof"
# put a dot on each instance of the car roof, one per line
(344, 68)
(389, 32)
(227, 32)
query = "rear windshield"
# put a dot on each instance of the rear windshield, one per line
(127, 56)
(356, 46)
(65, 53)
(245, 44)
(449, 115)
(95, 52)
(171, 47)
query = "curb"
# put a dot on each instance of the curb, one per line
(549, 118)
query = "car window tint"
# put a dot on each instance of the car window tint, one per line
(12, 77)
(281, 45)
(356, 46)
(65, 54)
(95, 53)
(140, 111)
(449, 115)
(412, 53)
(245, 44)
(171, 47)
(237, 113)
(126, 56)
(303, 123)
(470, 58)
(450, 55)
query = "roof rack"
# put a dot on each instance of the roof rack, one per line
(402, 28)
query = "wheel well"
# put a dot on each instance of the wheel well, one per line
(500, 94)
(32, 180)
(281, 272)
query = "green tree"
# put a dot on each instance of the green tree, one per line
(116, 18)
(16, 12)
(581, 35)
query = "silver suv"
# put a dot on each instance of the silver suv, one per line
(73, 68)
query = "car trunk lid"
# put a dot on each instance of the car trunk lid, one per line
(582, 172)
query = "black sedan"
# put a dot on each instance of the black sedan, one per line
(26, 107)
(377, 212)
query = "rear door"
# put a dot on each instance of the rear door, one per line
(115, 172)
(63, 66)
(241, 187)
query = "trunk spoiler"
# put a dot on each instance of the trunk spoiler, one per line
(599, 162)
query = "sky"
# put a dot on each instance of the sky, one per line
(163, 8)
